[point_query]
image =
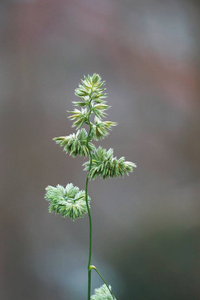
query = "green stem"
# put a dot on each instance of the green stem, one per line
(94, 268)
(90, 238)
(90, 267)
(88, 208)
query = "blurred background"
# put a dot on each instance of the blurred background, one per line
(146, 226)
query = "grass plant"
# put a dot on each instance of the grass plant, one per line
(70, 201)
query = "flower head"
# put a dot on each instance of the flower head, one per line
(75, 143)
(103, 293)
(92, 87)
(105, 165)
(68, 201)
(100, 128)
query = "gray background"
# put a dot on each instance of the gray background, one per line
(146, 226)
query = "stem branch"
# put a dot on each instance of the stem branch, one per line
(94, 268)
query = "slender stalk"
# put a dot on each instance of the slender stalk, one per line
(88, 209)
(94, 268)
(90, 267)
(90, 239)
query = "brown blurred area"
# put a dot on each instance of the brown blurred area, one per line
(146, 226)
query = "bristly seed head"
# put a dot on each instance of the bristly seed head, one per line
(67, 201)
(103, 293)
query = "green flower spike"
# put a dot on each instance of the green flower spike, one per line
(79, 117)
(91, 89)
(100, 128)
(67, 201)
(75, 143)
(102, 293)
(105, 165)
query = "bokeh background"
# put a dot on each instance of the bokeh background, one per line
(146, 226)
